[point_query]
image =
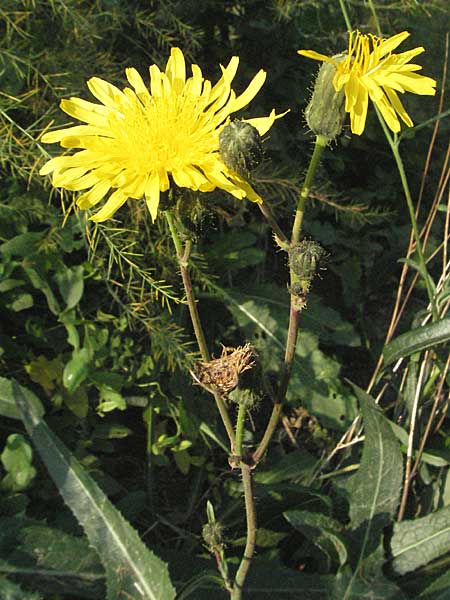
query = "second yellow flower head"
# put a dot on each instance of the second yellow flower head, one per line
(371, 70)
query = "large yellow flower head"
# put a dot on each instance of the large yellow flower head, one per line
(370, 70)
(138, 140)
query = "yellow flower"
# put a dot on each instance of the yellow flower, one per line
(370, 70)
(137, 138)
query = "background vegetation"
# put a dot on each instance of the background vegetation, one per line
(94, 328)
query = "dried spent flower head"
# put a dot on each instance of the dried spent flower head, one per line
(222, 374)
(371, 70)
(141, 140)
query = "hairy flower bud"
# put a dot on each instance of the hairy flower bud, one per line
(241, 147)
(304, 260)
(325, 113)
(249, 398)
(212, 534)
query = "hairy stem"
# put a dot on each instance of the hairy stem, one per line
(183, 262)
(240, 428)
(249, 550)
(295, 308)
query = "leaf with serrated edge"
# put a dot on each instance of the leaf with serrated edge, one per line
(132, 570)
(419, 541)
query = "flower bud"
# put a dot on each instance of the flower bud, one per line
(249, 398)
(241, 147)
(304, 260)
(212, 534)
(325, 113)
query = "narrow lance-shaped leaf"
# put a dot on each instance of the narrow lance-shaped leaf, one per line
(417, 340)
(377, 484)
(8, 405)
(375, 489)
(417, 542)
(132, 571)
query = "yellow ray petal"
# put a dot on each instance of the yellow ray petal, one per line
(389, 115)
(56, 136)
(316, 56)
(358, 113)
(250, 92)
(398, 107)
(82, 110)
(391, 43)
(155, 81)
(68, 176)
(112, 205)
(138, 84)
(414, 83)
(55, 164)
(106, 92)
(93, 197)
(224, 83)
(82, 183)
(152, 194)
(263, 124)
(176, 70)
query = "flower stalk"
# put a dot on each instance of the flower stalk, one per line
(295, 309)
(183, 262)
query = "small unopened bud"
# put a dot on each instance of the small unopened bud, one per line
(212, 534)
(325, 113)
(241, 147)
(304, 260)
(245, 396)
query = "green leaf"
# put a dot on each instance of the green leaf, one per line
(419, 541)
(38, 280)
(296, 466)
(322, 531)
(17, 459)
(362, 585)
(438, 590)
(417, 340)
(377, 484)
(77, 369)
(131, 568)
(49, 559)
(8, 406)
(71, 285)
(12, 591)
(374, 495)
(23, 244)
(22, 302)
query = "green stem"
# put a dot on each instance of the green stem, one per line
(319, 146)
(183, 262)
(150, 473)
(375, 18)
(265, 209)
(249, 550)
(295, 309)
(345, 15)
(240, 428)
(394, 145)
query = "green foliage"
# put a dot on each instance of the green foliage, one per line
(417, 542)
(49, 559)
(129, 566)
(95, 331)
